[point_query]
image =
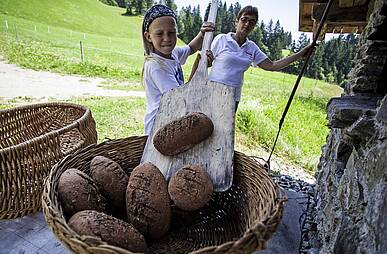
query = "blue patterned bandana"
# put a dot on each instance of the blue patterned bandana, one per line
(155, 12)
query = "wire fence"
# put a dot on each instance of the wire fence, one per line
(77, 46)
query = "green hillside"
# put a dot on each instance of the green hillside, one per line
(90, 16)
(40, 35)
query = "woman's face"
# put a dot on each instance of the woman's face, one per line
(245, 24)
(163, 35)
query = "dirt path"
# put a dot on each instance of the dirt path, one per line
(41, 85)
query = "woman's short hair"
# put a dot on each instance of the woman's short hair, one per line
(250, 10)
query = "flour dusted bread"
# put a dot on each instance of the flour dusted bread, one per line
(110, 179)
(182, 134)
(190, 188)
(77, 191)
(148, 203)
(111, 230)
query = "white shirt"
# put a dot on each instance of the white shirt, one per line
(231, 61)
(161, 75)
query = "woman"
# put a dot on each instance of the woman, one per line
(234, 53)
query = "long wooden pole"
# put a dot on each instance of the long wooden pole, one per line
(314, 43)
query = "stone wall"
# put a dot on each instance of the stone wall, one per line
(351, 189)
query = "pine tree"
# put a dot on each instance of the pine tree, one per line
(237, 8)
(197, 21)
(138, 5)
(148, 4)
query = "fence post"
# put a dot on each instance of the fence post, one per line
(82, 53)
(6, 24)
(16, 34)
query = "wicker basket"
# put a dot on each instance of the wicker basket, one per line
(32, 139)
(239, 220)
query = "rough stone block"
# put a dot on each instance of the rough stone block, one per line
(344, 111)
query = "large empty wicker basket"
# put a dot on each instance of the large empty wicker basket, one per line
(240, 220)
(32, 139)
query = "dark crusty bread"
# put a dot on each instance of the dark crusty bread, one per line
(111, 230)
(111, 179)
(148, 204)
(182, 134)
(190, 188)
(77, 191)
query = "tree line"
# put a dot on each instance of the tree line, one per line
(330, 62)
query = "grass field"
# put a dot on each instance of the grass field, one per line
(43, 36)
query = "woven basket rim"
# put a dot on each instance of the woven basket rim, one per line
(56, 132)
(280, 199)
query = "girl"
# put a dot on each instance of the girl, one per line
(234, 53)
(162, 66)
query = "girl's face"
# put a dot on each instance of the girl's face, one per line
(163, 35)
(245, 24)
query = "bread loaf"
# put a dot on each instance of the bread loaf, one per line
(190, 188)
(148, 203)
(110, 179)
(77, 191)
(182, 134)
(111, 230)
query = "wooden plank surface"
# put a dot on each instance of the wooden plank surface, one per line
(215, 154)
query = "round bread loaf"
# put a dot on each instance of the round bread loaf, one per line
(182, 134)
(111, 230)
(190, 188)
(77, 191)
(110, 179)
(148, 204)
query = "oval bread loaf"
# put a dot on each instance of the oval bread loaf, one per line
(182, 134)
(77, 191)
(110, 179)
(111, 230)
(190, 188)
(148, 204)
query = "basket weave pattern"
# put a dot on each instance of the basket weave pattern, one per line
(240, 220)
(32, 139)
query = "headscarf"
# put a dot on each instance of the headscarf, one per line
(155, 12)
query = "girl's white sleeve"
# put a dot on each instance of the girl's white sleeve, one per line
(182, 53)
(163, 80)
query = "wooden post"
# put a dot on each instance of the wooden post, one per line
(6, 24)
(82, 53)
(16, 34)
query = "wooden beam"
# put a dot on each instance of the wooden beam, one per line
(313, 1)
(332, 28)
(346, 3)
(340, 15)
(351, 3)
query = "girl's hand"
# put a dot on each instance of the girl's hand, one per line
(210, 57)
(207, 27)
